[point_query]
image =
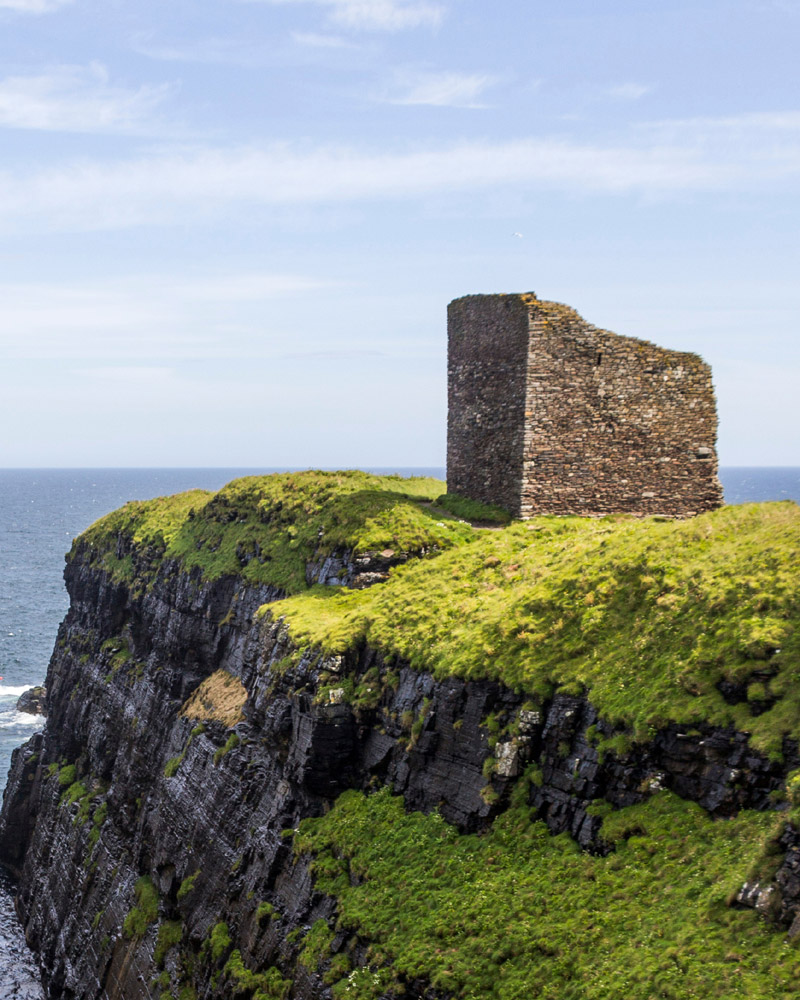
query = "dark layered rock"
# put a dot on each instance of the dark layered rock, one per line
(33, 701)
(206, 811)
(716, 768)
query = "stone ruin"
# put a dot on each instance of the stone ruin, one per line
(550, 415)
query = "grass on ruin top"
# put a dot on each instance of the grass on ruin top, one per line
(542, 919)
(647, 616)
(266, 528)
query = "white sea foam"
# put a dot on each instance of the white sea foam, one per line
(13, 692)
(8, 720)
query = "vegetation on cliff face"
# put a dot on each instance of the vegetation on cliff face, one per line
(517, 913)
(265, 529)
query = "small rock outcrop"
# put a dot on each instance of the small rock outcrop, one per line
(33, 701)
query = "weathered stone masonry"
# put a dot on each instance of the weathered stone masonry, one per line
(548, 414)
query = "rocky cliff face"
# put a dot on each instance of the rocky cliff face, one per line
(152, 823)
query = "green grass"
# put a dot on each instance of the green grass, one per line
(187, 885)
(66, 774)
(473, 510)
(316, 945)
(219, 940)
(266, 985)
(517, 913)
(646, 615)
(230, 744)
(169, 935)
(266, 911)
(145, 912)
(266, 528)
(172, 765)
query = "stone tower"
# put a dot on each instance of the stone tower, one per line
(550, 415)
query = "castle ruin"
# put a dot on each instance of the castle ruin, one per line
(550, 415)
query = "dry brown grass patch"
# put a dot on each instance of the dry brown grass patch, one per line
(220, 698)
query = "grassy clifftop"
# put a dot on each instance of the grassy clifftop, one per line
(266, 528)
(691, 621)
(651, 618)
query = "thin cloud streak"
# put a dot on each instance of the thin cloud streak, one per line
(206, 51)
(77, 99)
(201, 184)
(443, 90)
(753, 122)
(139, 375)
(629, 91)
(311, 40)
(376, 15)
(33, 6)
(151, 317)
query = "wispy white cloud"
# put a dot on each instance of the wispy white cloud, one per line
(139, 375)
(199, 184)
(76, 99)
(208, 51)
(752, 122)
(149, 317)
(629, 91)
(244, 52)
(33, 6)
(377, 15)
(764, 137)
(317, 41)
(453, 90)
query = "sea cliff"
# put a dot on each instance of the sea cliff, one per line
(331, 735)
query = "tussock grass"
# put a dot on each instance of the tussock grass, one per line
(219, 698)
(517, 913)
(648, 616)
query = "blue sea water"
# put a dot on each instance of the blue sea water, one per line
(41, 511)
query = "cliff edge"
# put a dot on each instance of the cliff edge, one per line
(315, 736)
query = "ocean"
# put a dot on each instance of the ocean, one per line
(41, 511)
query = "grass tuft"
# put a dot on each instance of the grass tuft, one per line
(145, 912)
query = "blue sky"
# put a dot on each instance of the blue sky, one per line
(230, 228)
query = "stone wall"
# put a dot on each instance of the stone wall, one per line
(548, 414)
(486, 390)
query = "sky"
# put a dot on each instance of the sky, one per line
(229, 229)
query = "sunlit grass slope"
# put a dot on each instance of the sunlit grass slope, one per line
(517, 913)
(647, 616)
(266, 528)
